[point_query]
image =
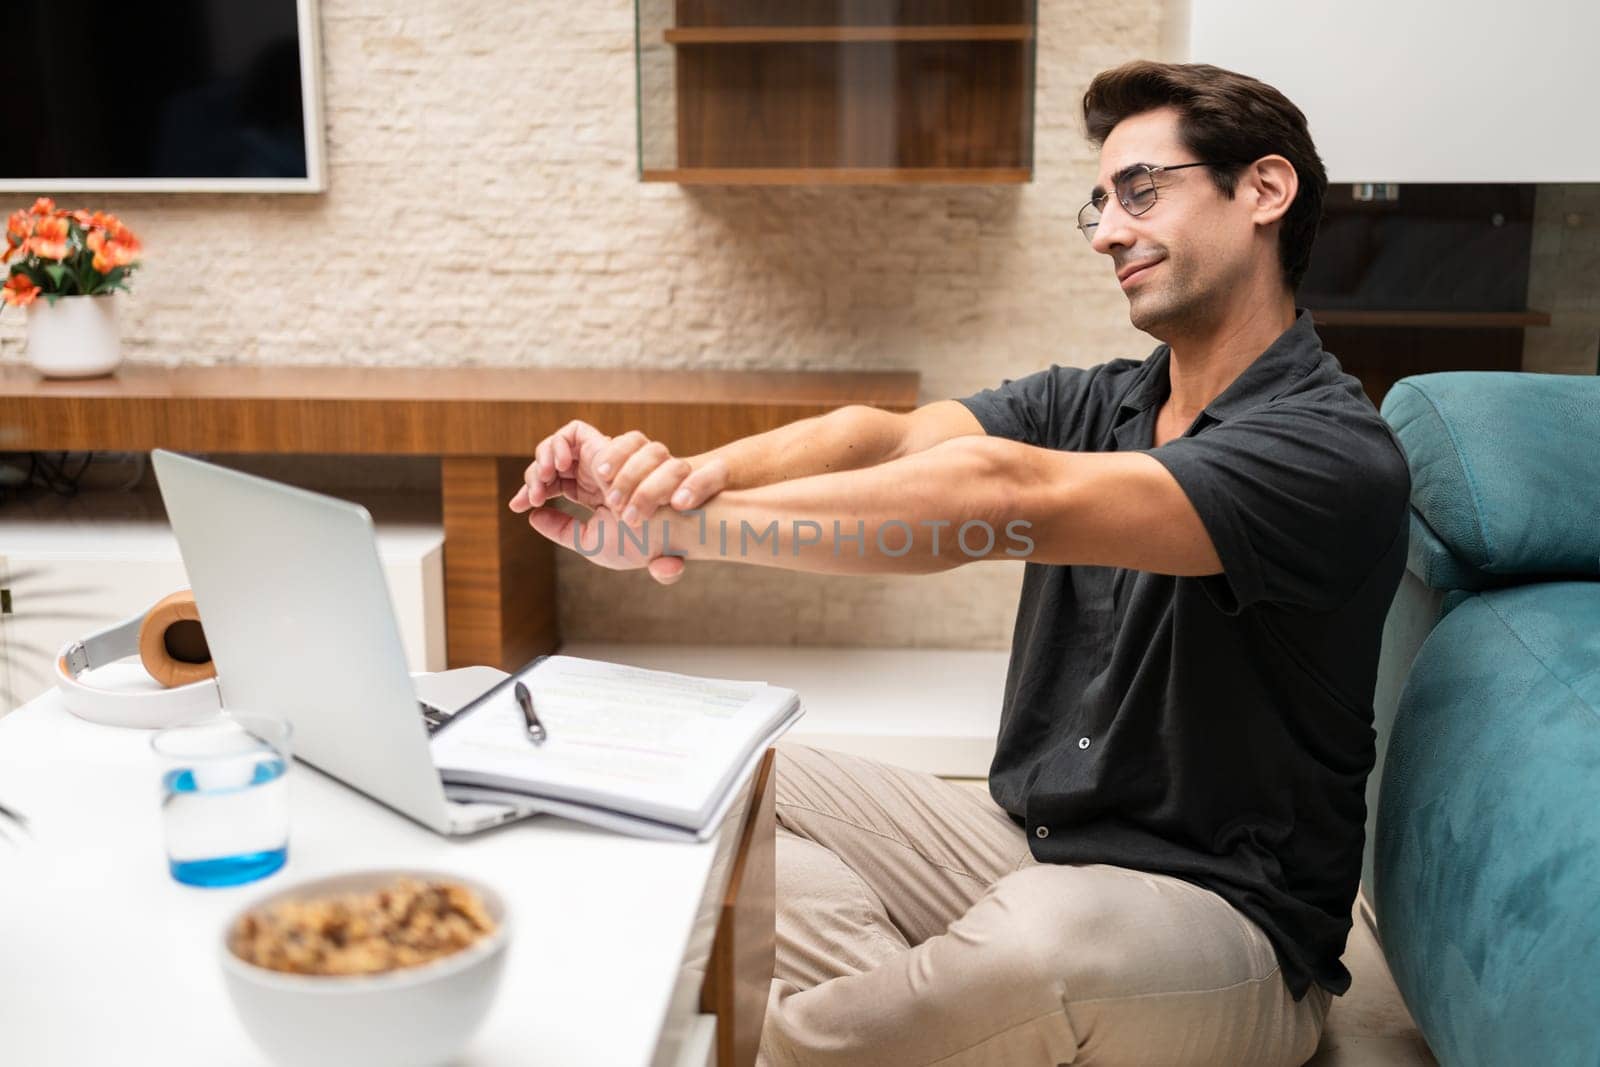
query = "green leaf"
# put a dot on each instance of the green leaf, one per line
(56, 272)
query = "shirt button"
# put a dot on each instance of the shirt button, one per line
(1083, 742)
(1041, 832)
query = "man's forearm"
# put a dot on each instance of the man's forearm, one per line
(848, 438)
(917, 514)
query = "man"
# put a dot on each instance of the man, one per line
(1166, 870)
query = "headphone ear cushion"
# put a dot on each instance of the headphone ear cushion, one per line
(172, 645)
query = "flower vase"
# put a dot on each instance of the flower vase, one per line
(76, 337)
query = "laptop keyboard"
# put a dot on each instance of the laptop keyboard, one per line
(434, 717)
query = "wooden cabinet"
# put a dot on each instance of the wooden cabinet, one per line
(1434, 279)
(499, 578)
(821, 92)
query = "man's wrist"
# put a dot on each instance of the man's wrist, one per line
(701, 533)
(699, 462)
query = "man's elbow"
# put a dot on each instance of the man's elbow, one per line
(986, 480)
(872, 435)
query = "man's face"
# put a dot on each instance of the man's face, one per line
(1176, 261)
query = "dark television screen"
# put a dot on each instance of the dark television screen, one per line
(181, 89)
(1459, 247)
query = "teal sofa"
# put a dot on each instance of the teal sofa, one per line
(1483, 834)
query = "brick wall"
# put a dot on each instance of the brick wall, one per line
(483, 208)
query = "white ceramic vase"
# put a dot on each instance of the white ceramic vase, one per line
(77, 337)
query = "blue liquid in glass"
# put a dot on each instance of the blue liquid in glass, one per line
(227, 832)
(229, 870)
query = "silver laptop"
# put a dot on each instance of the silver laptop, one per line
(297, 613)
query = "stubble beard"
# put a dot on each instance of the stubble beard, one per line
(1169, 308)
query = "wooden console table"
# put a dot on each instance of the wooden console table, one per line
(483, 423)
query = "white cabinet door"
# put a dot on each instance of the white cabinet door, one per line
(1419, 90)
(6, 702)
(55, 601)
(69, 578)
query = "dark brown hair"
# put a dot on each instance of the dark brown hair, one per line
(1230, 119)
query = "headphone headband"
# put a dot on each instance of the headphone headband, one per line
(172, 648)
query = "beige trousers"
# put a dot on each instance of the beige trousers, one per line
(914, 927)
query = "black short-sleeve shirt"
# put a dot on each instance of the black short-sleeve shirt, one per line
(1217, 729)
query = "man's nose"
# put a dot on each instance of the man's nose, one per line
(1113, 230)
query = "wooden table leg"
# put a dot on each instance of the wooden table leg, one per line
(499, 576)
(745, 946)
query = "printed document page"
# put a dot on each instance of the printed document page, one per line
(651, 743)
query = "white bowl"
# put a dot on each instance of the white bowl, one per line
(412, 1017)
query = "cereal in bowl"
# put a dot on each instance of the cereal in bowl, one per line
(403, 924)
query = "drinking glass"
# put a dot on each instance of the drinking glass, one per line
(225, 797)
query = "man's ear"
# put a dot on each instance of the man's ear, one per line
(1272, 182)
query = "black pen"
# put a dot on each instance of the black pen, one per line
(535, 728)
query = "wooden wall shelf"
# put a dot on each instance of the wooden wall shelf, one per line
(840, 176)
(843, 34)
(1463, 320)
(802, 92)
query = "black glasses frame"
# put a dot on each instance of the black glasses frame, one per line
(1126, 191)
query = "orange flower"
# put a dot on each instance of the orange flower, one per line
(68, 237)
(49, 240)
(114, 227)
(111, 253)
(19, 291)
(95, 241)
(19, 227)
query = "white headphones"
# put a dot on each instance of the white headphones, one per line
(178, 680)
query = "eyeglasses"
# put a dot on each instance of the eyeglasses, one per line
(1136, 192)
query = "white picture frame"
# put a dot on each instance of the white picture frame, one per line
(315, 181)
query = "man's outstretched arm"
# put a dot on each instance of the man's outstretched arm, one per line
(848, 438)
(642, 475)
(964, 499)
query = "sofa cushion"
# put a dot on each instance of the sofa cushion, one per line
(1487, 846)
(1505, 474)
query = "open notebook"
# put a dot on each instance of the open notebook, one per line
(645, 752)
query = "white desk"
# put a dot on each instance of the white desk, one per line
(105, 959)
